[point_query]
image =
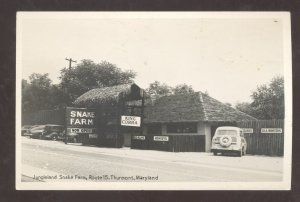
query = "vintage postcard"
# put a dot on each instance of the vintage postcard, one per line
(153, 101)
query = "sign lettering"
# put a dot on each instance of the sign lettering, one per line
(93, 136)
(271, 130)
(248, 130)
(80, 120)
(134, 121)
(139, 137)
(161, 138)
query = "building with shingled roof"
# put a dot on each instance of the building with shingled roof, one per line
(194, 115)
(190, 114)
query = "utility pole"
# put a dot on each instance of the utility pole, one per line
(70, 62)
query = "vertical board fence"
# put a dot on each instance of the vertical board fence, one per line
(262, 137)
(175, 143)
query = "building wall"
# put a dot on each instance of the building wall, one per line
(202, 129)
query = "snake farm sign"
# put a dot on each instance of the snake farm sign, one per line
(80, 120)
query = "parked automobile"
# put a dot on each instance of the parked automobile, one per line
(25, 129)
(53, 132)
(37, 132)
(72, 137)
(229, 140)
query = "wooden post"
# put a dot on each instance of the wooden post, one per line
(142, 112)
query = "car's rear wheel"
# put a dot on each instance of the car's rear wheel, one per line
(54, 138)
(215, 153)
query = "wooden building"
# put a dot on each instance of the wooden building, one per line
(185, 122)
(110, 104)
(195, 114)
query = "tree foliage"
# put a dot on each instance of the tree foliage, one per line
(35, 94)
(157, 89)
(88, 75)
(183, 89)
(268, 101)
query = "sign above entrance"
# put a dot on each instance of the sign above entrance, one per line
(134, 121)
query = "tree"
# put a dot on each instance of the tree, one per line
(246, 108)
(88, 75)
(268, 100)
(35, 94)
(183, 89)
(157, 89)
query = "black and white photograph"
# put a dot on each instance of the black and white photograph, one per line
(153, 101)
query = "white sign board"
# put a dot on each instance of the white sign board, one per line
(93, 136)
(271, 130)
(248, 130)
(80, 130)
(134, 121)
(161, 138)
(138, 137)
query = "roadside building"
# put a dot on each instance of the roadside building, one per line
(195, 114)
(184, 122)
(110, 104)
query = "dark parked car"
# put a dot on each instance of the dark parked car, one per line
(53, 132)
(37, 132)
(25, 129)
(48, 132)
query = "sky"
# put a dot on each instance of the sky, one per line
(227, 57)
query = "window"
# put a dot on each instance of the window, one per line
(227, 132)
(154, 129)
(182, 128)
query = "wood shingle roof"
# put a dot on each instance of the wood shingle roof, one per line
(191, 108)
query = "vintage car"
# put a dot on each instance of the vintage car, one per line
(53, 132)
(47, 132)
(25, 129)
(229, 140)
(36, 132)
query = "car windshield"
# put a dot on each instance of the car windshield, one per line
(26, 127)
(226, 132)
(38, 128)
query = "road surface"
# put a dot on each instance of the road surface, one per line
(44, 160)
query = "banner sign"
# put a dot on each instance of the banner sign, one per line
(247, 130)
(134, 121)
(139, 137)
(161, 138)
(271, 130)
(81, 120)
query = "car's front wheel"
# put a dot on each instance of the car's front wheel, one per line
(54, 138)
(240, 153)
(244, 151)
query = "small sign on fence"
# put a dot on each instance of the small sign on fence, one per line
(271, 130)
(139, 137)
(161, 138)
(93, 136)
(248, 130)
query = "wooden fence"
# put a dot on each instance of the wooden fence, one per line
(264, 137)
(173, 143)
